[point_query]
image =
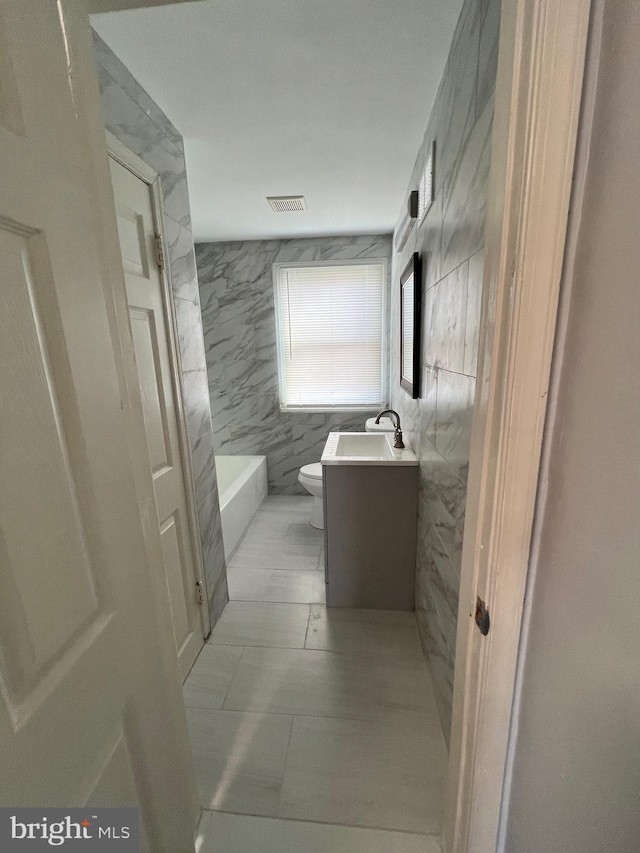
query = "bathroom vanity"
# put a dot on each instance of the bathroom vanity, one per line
(370, 493)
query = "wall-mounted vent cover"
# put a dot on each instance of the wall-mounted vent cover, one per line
(287, 203)
(425, 188)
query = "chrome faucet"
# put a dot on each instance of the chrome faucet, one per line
(398, 443)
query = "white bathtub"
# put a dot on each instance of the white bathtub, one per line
(242, 486)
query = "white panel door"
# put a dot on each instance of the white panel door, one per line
(136, 228)
(89, 707)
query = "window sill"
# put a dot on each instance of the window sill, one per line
(333, 409)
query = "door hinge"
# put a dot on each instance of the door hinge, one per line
(200, 589)
(482, 617)
(159, 252)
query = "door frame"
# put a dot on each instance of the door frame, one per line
(123, 155)
(537, 103)
(541, 66)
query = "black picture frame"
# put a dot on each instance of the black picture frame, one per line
(410, 313)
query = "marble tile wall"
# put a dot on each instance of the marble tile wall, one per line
(236, 294)
(450, 240)
(134, 118)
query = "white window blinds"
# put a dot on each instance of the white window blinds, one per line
(330, 334)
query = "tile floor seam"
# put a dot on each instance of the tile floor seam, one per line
(376, 660)
(306, 633)
(235, 672)
(261, 714)
(262, 601)
(284, 770)
(403, 722)
(271, 601)
(365, 655)
(254, 646)
(273, 569)
(331, 717)
(426, 835)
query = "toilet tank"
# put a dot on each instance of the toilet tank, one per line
(385, 425)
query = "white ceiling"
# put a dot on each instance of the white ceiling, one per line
(323, 98)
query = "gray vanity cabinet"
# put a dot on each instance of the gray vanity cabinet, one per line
(370, 524)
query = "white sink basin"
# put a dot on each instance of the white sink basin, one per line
(359, 444)
(365, 448)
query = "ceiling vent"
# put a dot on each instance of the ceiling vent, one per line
(287, 203)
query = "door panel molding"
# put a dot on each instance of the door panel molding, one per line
(93, 654)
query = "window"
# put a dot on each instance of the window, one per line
(330, 333)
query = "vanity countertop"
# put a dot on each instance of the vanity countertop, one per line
(365, 448)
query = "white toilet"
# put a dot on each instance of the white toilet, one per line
(310, 476)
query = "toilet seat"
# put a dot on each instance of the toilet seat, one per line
(312, 471)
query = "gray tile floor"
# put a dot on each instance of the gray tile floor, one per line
(300, 712)
(281, 557)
